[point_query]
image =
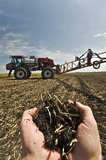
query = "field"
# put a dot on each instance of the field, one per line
(19, 95)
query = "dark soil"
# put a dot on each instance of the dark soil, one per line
(19, 95)
(58, 122)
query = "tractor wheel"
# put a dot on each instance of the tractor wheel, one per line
(20, 73)
(28, 73)
(96, 64)
(47, 73)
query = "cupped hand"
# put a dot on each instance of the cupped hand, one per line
(87, 148)
(33, 140)
(88, 145)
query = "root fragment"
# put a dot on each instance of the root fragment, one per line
(56, 131)
(49, 114)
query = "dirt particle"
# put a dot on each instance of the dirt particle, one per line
(36, 130)
(34, 142)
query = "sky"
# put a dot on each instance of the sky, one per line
(58, 29)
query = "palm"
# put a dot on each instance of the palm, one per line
(33, 141)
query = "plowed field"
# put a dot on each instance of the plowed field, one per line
(19, 95)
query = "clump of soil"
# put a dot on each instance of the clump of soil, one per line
(58, 122)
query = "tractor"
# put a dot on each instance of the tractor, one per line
(23, 66)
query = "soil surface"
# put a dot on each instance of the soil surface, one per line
(19, 95)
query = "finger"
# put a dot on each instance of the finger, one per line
(29, 114)
(85, 111)
(70, 101)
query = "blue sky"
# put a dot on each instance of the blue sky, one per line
(59, 29)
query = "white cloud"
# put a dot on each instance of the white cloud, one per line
(12, 44)
(99, 49)
(14, 35)
(100, 35)
(2, 12)
(3, 28)
(3, 69)
(15, 44)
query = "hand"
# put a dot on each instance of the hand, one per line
(33, 140)
(88, 146)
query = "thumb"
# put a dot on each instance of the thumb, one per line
(29, 114)
(86, 113)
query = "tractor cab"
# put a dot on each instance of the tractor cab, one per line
(16, 61)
